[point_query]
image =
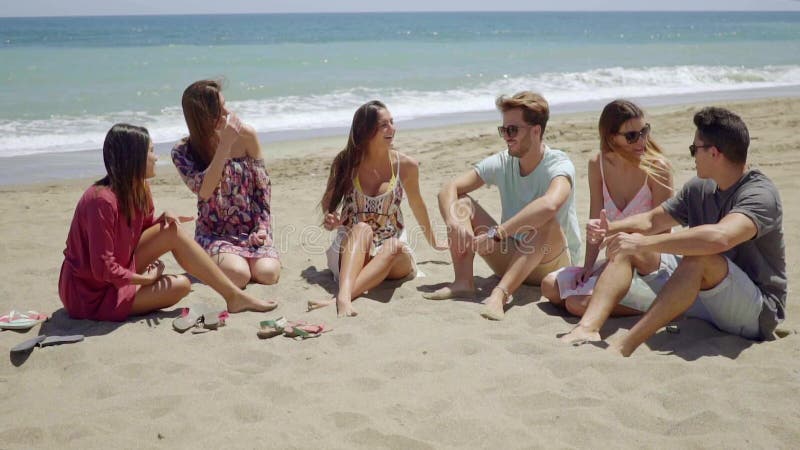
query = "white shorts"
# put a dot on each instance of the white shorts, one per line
(335, 249)
(733, 305)
(641, 294)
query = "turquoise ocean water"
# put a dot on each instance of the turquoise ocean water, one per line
(64, 81)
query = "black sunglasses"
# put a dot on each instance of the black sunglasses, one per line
(693, 148)
(510, 130)
(634, 136)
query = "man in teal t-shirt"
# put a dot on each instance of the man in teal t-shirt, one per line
(538, 231)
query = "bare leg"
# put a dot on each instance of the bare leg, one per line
(611, 287)
(156, 241)
(473, 218)
(694, 273)
(514, 266)
(578, 304)
(165, 292)
(234, 267)
(550, 290)
(265, 270)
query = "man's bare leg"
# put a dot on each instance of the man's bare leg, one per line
(694, 273)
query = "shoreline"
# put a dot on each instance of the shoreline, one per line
(83, 164)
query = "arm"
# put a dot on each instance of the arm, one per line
(410, 172)
(464, 184)
(101, 222)
(540, 210)
(595, 205)
(712, 239)
(655, 221)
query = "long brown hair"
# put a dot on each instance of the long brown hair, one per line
(125, 157)
(345, 165)
(614, 115)
(202, 109)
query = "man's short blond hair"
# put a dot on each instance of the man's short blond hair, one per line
(535, 110)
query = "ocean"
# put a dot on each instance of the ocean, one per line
(64, 81)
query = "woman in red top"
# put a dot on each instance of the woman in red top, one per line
(111, 268)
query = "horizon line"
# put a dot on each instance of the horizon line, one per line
(406, 12)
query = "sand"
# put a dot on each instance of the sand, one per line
(407, 372)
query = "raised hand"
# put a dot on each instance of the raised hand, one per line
(154, 271)
(596, 229)
(167, 218)
(621, 244)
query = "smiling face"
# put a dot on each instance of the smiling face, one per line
(636, 149)
(527, 137)
(384, 134)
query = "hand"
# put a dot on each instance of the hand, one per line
(596, 229)
(258, 238)
(332, 221)
(622, 244)
(167, 218)
(153, 272)
(228, 131)
(438, 245)
(584, 276)
(482, 244)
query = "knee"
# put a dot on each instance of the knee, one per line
(182, 285)
(268, 275)
(576, 305)
(696, 262)
(549, 289)
(361, 230)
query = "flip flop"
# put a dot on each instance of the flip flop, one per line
(189, 318)
(45, 341)
(302, 330)
(17, 320)
(214, 319)
(271, 328)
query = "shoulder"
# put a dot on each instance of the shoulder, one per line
(249, 137)
(558, 162)
(181, 146)
(97, 197)
(407, 162)
(498, 159)
(594, 161)
(755, 182)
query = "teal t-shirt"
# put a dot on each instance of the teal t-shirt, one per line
(516, 191)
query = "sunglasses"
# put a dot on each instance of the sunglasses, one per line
(693, 148)
(510, 130)
(633, 136)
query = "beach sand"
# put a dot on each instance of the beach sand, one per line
(407, 372)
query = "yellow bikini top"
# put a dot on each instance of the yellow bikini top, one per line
(392, 182)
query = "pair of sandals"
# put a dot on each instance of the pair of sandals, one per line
(199, 319)
(297, 330)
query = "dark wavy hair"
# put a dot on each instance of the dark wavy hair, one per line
(345, 164)
(202, 109)
(125, 157)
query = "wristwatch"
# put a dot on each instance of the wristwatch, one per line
(493, 234)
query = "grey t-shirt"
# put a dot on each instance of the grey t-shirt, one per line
(762, 258)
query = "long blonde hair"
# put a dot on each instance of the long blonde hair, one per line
(614, 115)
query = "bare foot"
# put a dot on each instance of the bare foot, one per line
(493, 309)
(345, 308)
(580, 335)
(317, 304)
(244, 302)
(452, 291)
(617, 349)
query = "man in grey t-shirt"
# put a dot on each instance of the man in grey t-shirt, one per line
(733, 270)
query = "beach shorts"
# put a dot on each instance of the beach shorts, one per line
(732, 306)
(641, 294)
(335, 249)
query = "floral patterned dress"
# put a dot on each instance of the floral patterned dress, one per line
(238, 208)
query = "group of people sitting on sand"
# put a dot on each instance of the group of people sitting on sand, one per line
(725, 265)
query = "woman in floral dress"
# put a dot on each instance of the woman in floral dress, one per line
(222, 162)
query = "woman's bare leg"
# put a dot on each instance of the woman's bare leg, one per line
(265, 270)
(234, 267)
(158, 240)
(165, 292)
